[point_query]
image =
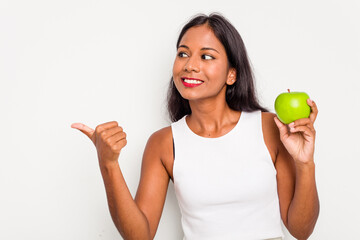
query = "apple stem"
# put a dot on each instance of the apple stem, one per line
(289, 90)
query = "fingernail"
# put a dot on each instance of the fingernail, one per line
(291, 124)
(76, 125)
(292, 129)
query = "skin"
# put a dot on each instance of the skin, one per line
(291, 146)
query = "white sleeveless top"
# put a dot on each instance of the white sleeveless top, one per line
(226, 187)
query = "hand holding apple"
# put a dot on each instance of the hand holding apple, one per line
(292, 106)
(298, 137)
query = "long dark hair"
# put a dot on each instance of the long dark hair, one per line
(241, 95)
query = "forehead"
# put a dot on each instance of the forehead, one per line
(201, 36)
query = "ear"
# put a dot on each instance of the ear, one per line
(231, 79)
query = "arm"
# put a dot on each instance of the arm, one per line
(139, 218)
(299, 202)
(126, 215)
(134, 219)
(154, 181)
(304, 208)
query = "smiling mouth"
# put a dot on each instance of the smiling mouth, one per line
(191, 82)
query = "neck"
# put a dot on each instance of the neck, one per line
(211, 115)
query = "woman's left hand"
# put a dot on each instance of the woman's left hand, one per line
(299, 139)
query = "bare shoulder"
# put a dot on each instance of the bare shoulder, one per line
(271, 133)
(161, 144)
(269, 123)
(161, 140)
(162, 134)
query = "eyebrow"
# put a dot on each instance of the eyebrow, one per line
(204, 48)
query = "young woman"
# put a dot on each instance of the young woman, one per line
(237, 170)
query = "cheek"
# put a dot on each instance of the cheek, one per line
(217, 72)
(176, 67)
(175, 73)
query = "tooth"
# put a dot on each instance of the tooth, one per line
(193, 81)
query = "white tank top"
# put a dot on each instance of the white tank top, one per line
(226, 187)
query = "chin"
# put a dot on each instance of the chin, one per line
(193, 97)
(189, 97)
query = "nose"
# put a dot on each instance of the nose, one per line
(192, 65)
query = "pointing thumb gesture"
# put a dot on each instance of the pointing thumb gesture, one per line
(84, 129)
(108, 138)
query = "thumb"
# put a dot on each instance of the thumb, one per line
(84, 129)
(282, 127)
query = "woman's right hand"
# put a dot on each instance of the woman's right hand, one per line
(108, 139)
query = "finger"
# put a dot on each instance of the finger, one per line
(110, 132)
(314, 110)
(84, 129)
(303, 122)
(306, 130)
(116, 137)
(105, 126)
(282, 127)
(120, 144)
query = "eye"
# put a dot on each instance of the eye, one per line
(182, 54)
(207, 57)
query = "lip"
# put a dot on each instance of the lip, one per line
(191, 84)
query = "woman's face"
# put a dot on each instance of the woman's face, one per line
(201, 68)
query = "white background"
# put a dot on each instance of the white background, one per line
(97, 61)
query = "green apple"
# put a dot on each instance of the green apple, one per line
(291, 106)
